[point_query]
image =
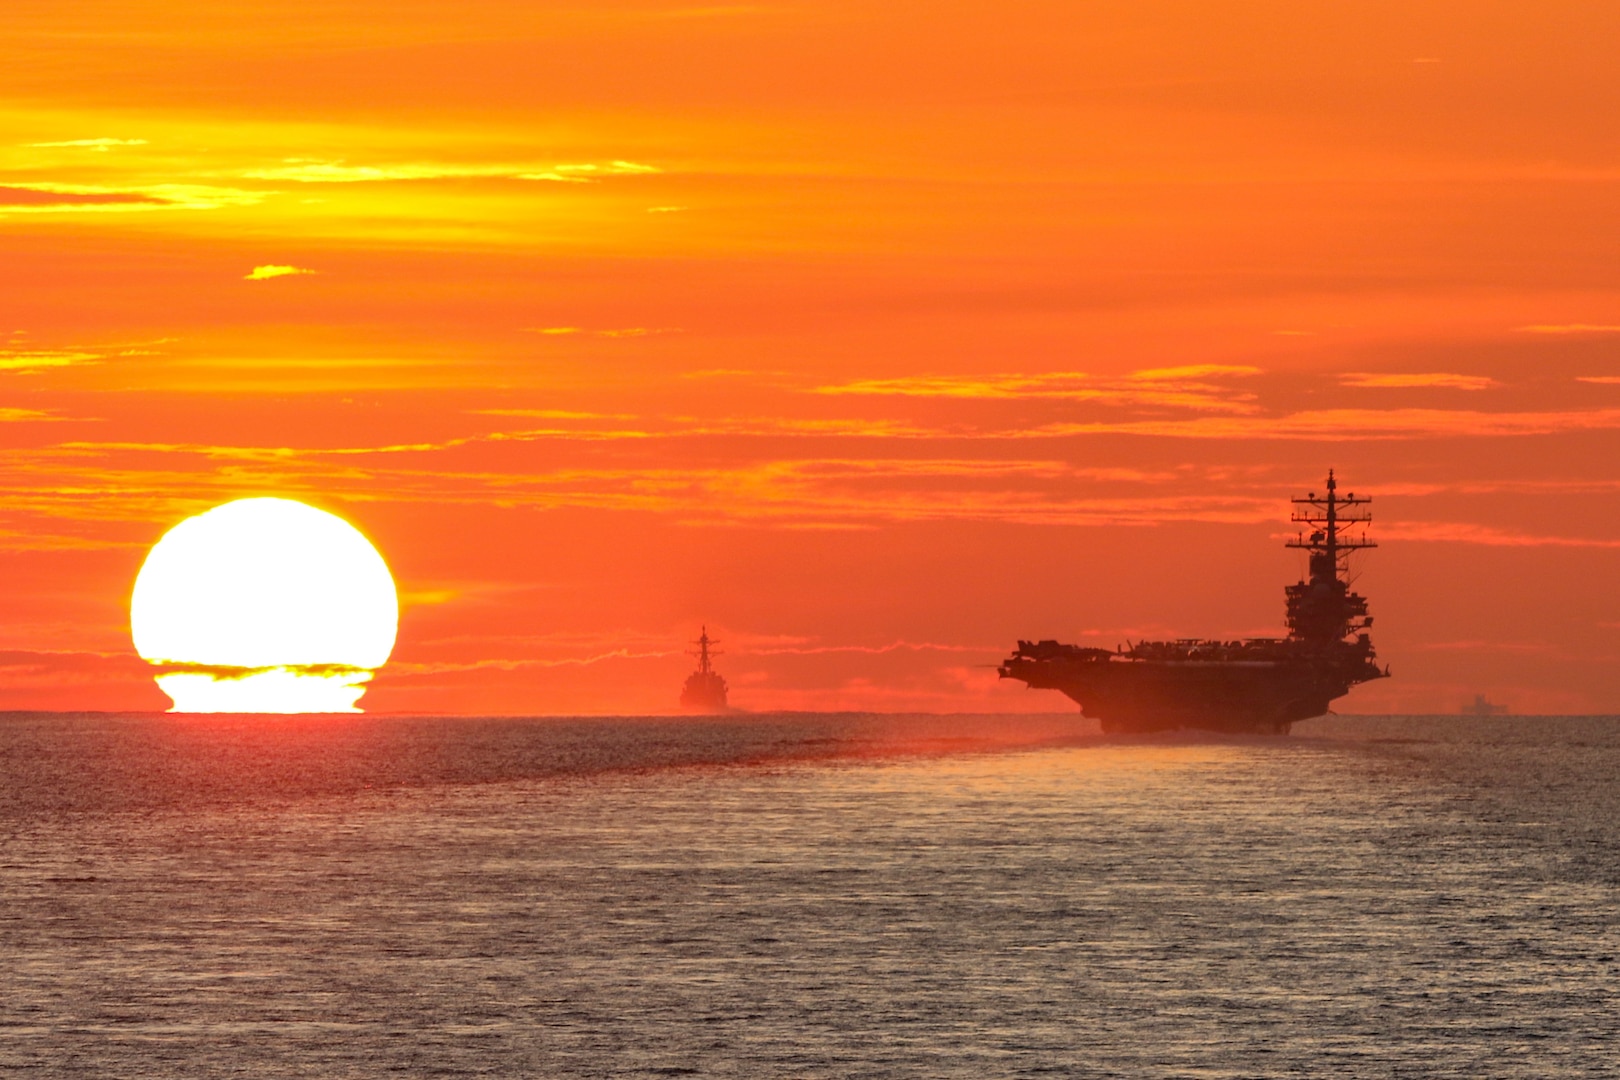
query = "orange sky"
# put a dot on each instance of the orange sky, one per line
(877, 336)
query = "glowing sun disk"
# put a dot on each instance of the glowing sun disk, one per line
(264, 605)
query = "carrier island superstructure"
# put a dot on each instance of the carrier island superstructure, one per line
(1256, 685)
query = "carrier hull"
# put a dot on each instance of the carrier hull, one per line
(1138, 696)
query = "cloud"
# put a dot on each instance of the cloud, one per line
(319, 171)
(667, 209)
(1602, 380)
(688, 426)
(101, 483)
(1340, 424)
(1483, 646)
(102, 145)
(24, 668)
(1438, 379)
(30, 196)
(555, 177)
(1497, 487)
(1063, 384)
(286, 455)
(872, 650)
(1160, 388)
(396, 668)
(1571, 328)
(715, 12)
(40, 540)
(427, 597)
(728, 373)
(10, 415)
(552, 414)
(308, 171)
(81, 198)
(1461, 532)
(35, 359)
(273, 270)
(618, 332)
(228, 672)
(587, 173)
(1194, 371)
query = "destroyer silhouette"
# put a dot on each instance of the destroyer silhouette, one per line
(1257, 685)
(705, 690)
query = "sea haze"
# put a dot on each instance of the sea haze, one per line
(805, 895)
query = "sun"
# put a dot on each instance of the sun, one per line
(264, 605)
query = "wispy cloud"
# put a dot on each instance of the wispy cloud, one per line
(312, 171)
(101, 145)
(424, 596)
(9, 415)
(767, 426)
(552, 414)
(1056, 384)
(730, 373)
(1571, 328)
(1602, 380)
(397, 668)
(612, 168)
(274, 270)
(1484, 646)
(1434, 379)
(1194, 372)
(1162, 388)
(25, 666)
(1547, 486)
(100, 482)
(44, 196)
(1461, 532)
(717, 11)
(1339, 424)
(995, 650)
(44, 539)
(555, 177)
(616, 332)
(36, 359)
(326, 171)
(588, 173)
(23, 198)
(230, 672)
(288, 454)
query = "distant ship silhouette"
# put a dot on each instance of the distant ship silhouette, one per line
(705, 689)
(1481, 707)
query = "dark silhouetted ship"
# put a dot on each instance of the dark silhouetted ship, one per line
(705, 690)
(1257, 685)
(1481, 707)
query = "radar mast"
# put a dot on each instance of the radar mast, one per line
(703, 642)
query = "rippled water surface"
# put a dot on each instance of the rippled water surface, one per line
(806, 896)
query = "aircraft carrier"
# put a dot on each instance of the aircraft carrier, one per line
(1256, 685)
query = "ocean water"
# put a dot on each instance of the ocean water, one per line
(806, 896)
